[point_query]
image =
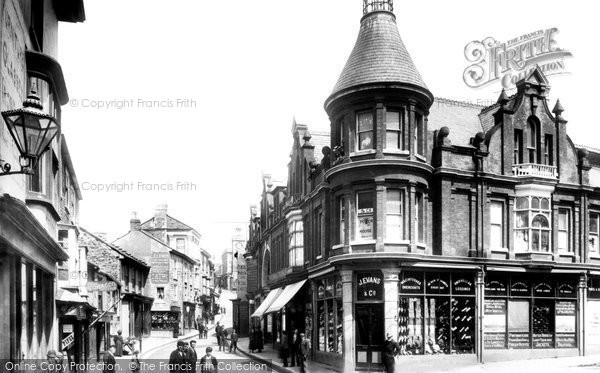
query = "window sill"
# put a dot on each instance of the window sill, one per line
(500, 249)
(421, 157)
(400, 242)
(421, 246)
(319, 257)
(396, 151)
(338, 246)
(567, 253)
(363, 242)
(363, 152)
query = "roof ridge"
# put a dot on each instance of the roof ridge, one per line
(115, 247)
(587, 147)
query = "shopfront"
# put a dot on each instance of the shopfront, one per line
(592, 316)
(329, 317)
(530, 311)
(436, 313)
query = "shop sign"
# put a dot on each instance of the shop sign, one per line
(543, 289)
(565, 340)
(543, 340)
(494, 340)
(519, 287)
(101, 286)
(67, 328)
(159, 269)
(67, 342)
(494, 323)
(495, 286)
(412, 283)
(566, 324)
(518, 340)
(567, 290)
(438, 286)
(12, 61)
(369, 286)
(463, 286)
(594, 287)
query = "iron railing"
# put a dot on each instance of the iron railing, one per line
(375, 5)
(534, 169)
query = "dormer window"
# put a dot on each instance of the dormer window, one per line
(365, 130)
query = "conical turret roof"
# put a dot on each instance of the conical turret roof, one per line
(379, 56)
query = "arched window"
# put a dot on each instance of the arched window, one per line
(266, 265)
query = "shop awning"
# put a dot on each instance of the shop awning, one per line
(267, 302)
(288, 293)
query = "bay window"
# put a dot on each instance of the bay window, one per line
(296, 248)
(394, 124)
(365, 130)
(594, 233)
(393, 219)
(364, 215)
(532, 224)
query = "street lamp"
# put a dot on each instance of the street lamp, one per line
(32, 130)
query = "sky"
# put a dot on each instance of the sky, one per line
(189, 102)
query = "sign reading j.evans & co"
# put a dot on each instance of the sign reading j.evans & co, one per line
(369, 286)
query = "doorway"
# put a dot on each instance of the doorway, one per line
(369, 335)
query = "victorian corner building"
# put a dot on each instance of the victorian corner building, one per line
(460, 229)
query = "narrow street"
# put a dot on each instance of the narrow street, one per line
(228, 362)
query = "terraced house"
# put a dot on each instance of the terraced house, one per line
(462, 230)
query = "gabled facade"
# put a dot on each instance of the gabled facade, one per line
(458, 229)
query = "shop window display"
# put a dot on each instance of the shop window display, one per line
(329, 315)
(436, 313)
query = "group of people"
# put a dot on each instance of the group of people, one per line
(255, 340)
(297, 349)
(201, 328)
(109, 362)
(184, 359)
(224, 341)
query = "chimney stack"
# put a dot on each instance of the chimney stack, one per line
(134, 223)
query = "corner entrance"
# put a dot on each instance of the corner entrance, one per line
(369, 335)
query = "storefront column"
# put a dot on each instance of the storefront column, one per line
(479, 301)
(347, 297)
(582, 302)
(390, 288)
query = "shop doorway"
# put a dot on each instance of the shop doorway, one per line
(369, 334)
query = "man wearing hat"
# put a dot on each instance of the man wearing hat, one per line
(303, 352)
(191, 357)
(109, 360)
(177, 359)
(390, 350)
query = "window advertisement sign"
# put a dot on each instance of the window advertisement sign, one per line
(518, 324)
(566, 324)
(494, 323)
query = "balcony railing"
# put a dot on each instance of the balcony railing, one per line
(534, 169)
(292, 200)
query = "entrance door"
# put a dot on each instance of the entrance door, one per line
(369, 334)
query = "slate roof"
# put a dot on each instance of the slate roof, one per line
(92, 239)
(379, 56)
(593, 154)
(172, 223)
(462, 118)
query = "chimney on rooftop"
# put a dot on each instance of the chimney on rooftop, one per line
(134, 223)
(160, 216)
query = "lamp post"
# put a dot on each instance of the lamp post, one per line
(32, 130)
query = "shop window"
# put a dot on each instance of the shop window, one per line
(329, 316)
(594, 233)
(532, 224)
(518, 147)
(393, 219)
(518, 323)
(365, 130)
(420, 217)
(564, 225)
(394, 124)
(543, 323)
(436, 313)
(496, 223)
(296, 238)
(364, 215)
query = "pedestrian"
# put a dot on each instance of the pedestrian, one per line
(251, 343)
(224, 338)
(205, 333)
(134, 364)
(200, 330)
(177, 359)
(391, 348)
(118, 339)
(53, 362)
(108, 360)
(259, 340)
(218, 334)
(192, 357)
(234, 340)
(208, 363)
(284, 350)
(295, 343)
(304, 351)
